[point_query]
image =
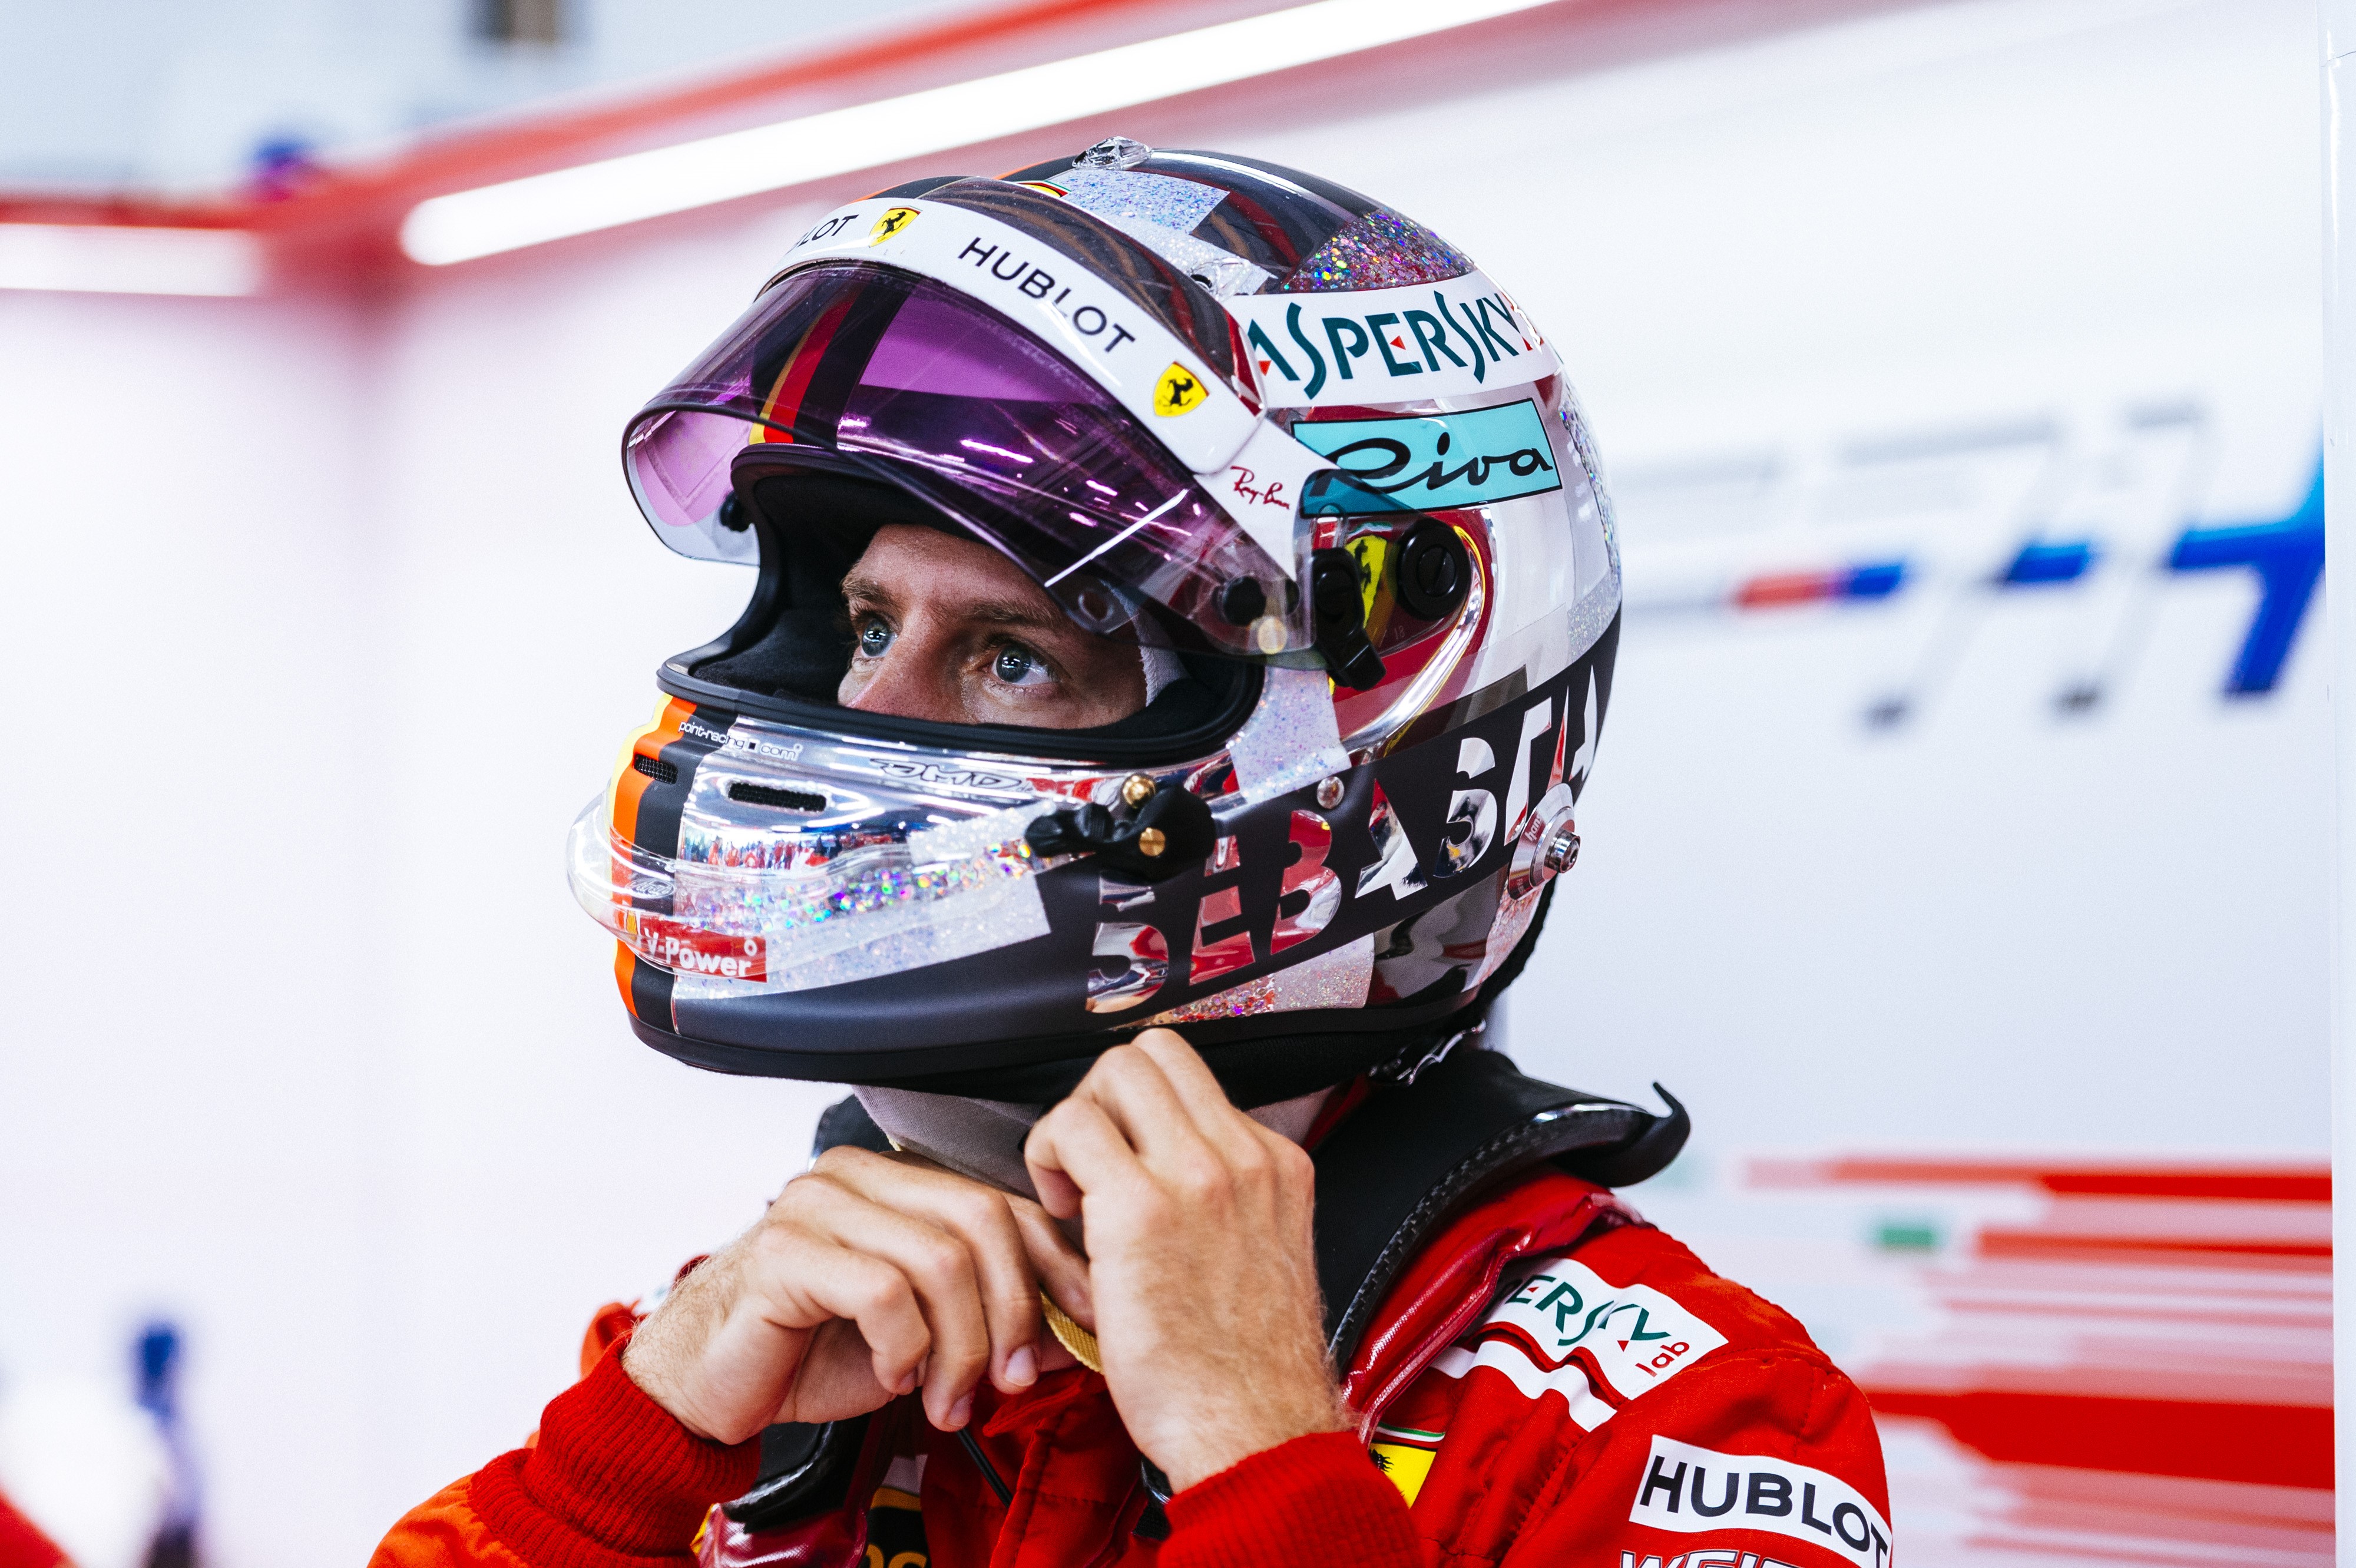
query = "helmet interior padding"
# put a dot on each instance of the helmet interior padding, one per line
(794, 639)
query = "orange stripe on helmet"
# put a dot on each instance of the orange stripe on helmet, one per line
(622, 798)
(630, 786)
(785, 399)
(626, 967)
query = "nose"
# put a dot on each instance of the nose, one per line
(910, 682)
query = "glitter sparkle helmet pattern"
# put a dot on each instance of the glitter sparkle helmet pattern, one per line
(1291, 444)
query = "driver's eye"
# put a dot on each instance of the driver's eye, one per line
(1018, 667)
(875, 636)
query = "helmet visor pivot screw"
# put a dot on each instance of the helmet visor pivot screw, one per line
(1329, 793)
(1152, 842)
(1562, 852)
(1136, 790)
(1242, 601)
(1433, 572)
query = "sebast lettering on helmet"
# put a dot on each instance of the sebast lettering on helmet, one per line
(1326, 474)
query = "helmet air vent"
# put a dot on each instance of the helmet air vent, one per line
(1114, 152)
(752, 794)
(656, 769)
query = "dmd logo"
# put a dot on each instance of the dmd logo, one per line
(1427, 461)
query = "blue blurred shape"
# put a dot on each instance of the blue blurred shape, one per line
(2287, 556)
(280, 166)
(1876, 580)
(155, 1358)
(157, 1353)
(2039, 564)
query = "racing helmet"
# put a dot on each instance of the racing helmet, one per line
(1325, 475)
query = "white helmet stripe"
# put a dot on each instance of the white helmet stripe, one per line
(1064, 303)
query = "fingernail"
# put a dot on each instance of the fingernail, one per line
(960, 1412)
(1023, 1366)
(907, 1382)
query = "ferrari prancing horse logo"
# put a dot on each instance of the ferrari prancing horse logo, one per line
(1180, 390)
(893, 221)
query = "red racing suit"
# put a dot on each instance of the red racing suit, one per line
(1550, 1381)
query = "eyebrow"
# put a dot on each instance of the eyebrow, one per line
(995, 612)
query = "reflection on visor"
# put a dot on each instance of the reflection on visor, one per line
(794, 919)
(981, 419)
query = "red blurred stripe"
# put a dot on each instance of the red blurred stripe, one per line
(2305, 1183)
(2278, 1445)
(1994, 1244)
(1787, 588)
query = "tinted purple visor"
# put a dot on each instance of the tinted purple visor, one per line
(916, 384)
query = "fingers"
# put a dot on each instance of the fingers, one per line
(881, 1301)
(869, 1276)
(1189, 1076)
(1062, 1271)
(1169, 1109)
(837, 1377)
(894, 1254)
(934, 1216)
(1077, 1149)
(1129, 1083)
(980, 1219)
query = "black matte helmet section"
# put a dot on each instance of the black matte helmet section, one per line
(1316, 1050)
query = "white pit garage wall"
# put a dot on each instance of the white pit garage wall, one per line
(2339, 18)
(316, 650)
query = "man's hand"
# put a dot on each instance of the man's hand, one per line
(870, 1275)
(1200, 1259)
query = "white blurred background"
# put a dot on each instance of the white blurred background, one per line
(325, 607)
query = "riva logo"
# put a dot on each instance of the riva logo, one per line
(1688, 1488)
(1472, 458)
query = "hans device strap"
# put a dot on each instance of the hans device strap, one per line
(1409, 1159)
